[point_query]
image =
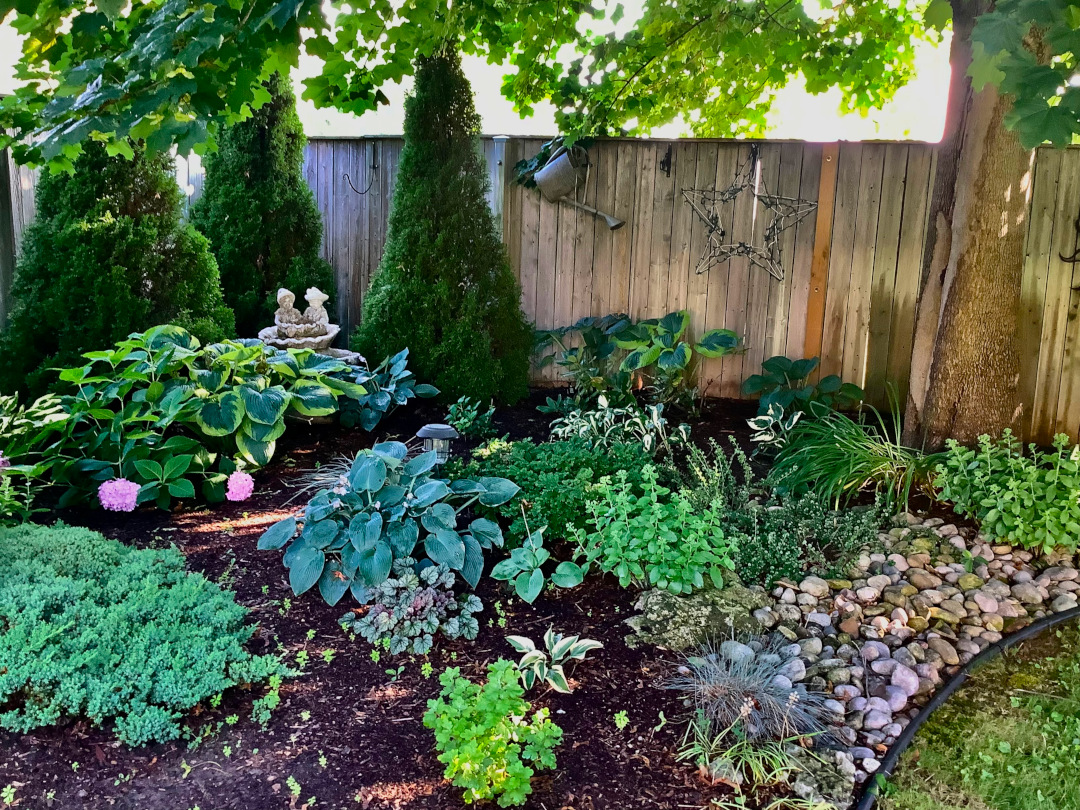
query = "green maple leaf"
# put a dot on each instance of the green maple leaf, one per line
(938, 15)
(1035, 122)
(984, 68)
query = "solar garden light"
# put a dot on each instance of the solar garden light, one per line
(438, 438)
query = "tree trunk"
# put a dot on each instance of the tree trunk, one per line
(970, 301)
(938, 241)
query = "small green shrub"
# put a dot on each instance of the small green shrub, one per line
(615, 356)
(1032, 499)
(445, 288)
(467, 419)
(259, 213)
(411, 606)
(776, 536)
(484, 736)
(107, 255)
(555, 478)
(93, 628)
(525, 568)
(655, 539)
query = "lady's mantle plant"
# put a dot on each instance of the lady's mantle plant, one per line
(484, 737)
(387, 508)
(411, 606)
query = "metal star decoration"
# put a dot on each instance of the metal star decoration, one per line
(785, 212)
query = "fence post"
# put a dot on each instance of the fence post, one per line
(7, 237)
(498, 180)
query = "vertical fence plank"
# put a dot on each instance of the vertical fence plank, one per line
(761, 284)
(709, 167)
(845, 218)
(625, 197)
(803, 254)
(684, 170)
(1057, 395)
(817, 294)
(738, 274)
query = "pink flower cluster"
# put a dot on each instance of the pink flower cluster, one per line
(119, 495)
(4, 462)
(241, 485)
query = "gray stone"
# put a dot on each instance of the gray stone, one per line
(896, 697)
(1027, 593)
(876, 719)
(905, 679)
(815, 586)
(1064, 602)
(945, 650)
(735, 651)
(794, 669)
(680, 622)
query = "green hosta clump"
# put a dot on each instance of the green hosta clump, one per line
(387, 507)
(411, 606)
(658, 539)
(485, 738)
(387, 386)
(1032, 499)
(93, 628)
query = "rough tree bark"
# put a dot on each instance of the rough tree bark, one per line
(965, 357)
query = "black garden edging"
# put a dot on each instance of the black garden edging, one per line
(892, 756)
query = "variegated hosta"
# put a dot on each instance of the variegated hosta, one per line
(387, 507)
(548, 665)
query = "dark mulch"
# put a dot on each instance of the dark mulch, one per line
(349, 713)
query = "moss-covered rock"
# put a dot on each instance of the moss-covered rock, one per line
(679, 622)
(824, 777)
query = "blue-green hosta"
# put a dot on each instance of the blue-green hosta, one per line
(385, 508)
(163, 411)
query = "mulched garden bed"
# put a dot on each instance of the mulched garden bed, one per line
(348, 732)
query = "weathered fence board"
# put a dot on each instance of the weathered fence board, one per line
(851, 268)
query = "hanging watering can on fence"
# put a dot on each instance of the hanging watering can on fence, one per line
(561, 176)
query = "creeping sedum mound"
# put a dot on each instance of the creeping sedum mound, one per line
(92, 628)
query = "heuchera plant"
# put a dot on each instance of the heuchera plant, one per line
(389, 507)
(412, 605)
(484, 736)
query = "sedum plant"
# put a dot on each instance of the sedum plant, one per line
(655, 539)
(467, 419)
(387, 508)
(1031, 499)
(549, 664)
(604, 426)
(411, 606)
(485, 737)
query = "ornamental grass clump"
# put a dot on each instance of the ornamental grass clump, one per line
(93, 628)
(744, 690)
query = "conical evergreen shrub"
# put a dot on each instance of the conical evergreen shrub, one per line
(260, 215)
(445, 288)
(106, 255)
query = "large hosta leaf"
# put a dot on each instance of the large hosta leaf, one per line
(473, 565)
(375, 564)
(305, 569)
(446, 548)
(333, 582)
(368, 474)
(311, 398)
(256, 452)
(266, 406)
(221, 415)
(263, 433)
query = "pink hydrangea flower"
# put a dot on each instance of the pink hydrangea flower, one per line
(4, 461)
(119, 495)
(241, 485)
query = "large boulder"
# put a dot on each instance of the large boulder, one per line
(679, 622)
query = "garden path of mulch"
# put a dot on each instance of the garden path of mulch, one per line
(347, 732)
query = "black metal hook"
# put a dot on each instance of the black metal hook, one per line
(374, 168)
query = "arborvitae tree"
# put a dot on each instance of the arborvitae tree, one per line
(259, 213)
(445, 288)
(107, 255)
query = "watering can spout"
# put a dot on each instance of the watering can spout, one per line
(613, 223)
(559, 179)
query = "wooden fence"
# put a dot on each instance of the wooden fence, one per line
(851, 267)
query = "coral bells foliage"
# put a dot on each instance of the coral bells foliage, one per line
(119, 495)
(445, 288)
(240, 487)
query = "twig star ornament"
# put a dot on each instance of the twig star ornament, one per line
(782, 213)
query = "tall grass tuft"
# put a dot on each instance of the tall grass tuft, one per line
(837, 457)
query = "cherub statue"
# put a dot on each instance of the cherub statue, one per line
(316, 313)
(287, 318)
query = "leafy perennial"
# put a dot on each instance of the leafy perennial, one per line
(387, 507)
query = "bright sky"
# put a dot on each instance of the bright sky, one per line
(917, 112)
